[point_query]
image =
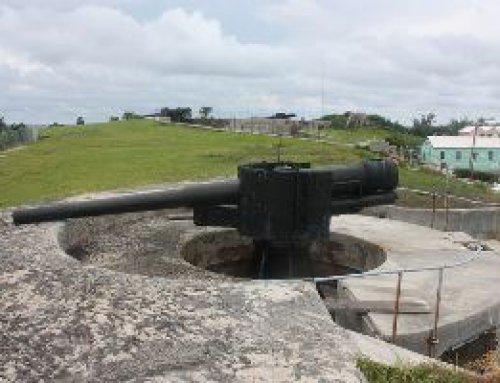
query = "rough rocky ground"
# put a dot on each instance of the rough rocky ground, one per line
(62, 319)
(65, 321)
(136, 243)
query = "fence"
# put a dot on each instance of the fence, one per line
(18, 135)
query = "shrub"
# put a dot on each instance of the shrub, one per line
(426, 373)
(477, 175)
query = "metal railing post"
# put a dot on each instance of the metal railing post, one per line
(433, 339)
(396, 308)
(433, 218)
(447, 199)
(447, 209)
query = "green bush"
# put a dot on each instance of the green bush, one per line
(425, 373)
(477, 175)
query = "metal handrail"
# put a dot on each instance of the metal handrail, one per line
(432, 340)
(333, 278)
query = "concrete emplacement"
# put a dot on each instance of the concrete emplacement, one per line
(139, 298)
(167, 244)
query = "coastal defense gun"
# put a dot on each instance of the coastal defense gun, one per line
(283, 206)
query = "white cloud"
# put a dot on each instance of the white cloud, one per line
(398, 58)
(21, 65)
(176, 42)
(92, 51)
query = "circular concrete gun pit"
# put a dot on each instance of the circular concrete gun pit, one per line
(167, 244)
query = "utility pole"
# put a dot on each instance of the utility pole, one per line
(472, 152)
(322, 97)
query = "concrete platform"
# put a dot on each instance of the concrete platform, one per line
(470, 300)
(63, 321)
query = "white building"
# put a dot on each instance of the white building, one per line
(480, 130)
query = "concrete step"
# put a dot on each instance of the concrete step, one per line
(406, 306)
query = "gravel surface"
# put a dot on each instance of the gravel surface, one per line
(137, 243)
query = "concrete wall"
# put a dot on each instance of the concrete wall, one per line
(481, 223)
(218, 249)
(215, 246)
(273, 126)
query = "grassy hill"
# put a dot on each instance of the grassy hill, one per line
(74, 160)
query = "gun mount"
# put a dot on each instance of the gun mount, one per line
(284, 207)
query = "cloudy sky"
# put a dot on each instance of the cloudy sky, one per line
(64, 58)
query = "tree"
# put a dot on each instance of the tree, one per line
(423, 126)
(426, 120)
(176, 114)
(455, 125)
(130, 116)
(205, 111)
(165, 112)
(80, 121)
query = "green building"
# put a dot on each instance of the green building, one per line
(459, 152)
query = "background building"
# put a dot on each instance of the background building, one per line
(457, 152)
(481, 130)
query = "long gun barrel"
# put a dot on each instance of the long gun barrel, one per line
(203, 194)
(267, 199)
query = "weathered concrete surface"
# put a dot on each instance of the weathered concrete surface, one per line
(483, 223)
(63, 320)
(470, 300)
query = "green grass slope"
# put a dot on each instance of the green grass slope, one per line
(74, 160)
(430, 180)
